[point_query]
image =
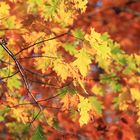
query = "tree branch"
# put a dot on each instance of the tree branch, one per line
(42, 41)
(9, 75)
(23, 77)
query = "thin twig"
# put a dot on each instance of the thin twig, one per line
(42, 41)
(36, 56)
(38, 74)
(44, 83)
(42, 100)
(9, 76)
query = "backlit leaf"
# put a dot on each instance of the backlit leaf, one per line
(4, 9)
(82, 62)
(135, 94)
(13, 82)
(97, 105)
(84, 107)
(38, 134)
(61, 69)
(70, 48)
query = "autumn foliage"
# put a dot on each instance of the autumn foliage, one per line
(63, 80)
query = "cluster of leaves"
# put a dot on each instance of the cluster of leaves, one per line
(45, 66)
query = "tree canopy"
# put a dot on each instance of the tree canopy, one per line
(63, 76)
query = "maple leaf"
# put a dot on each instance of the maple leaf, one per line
(93, 37)
(97, 90)
(137, 59)
(20, 114)
(135, 94)
(3, 111)
(80, 4)
(50, 9)
(97, 105)
(66, 101)
(4, 9)
(78, 33)
(65, 14)
(33, 5)
(14, 82)
(12, 22)
(99, 44)
(82, 62)
(74, 100)
(38, 133)
(123, 97)
(1, 52)
(70, 48)
(42, 64)
(84, 107)
(34, 36)
(50, 47)
(61, 68)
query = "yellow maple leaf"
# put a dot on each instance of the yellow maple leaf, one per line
(98, 44)
(4, 9)
(84, 106)
(80, 4)
(93, 36)
(97, 90)
(42, 63)
(50, 47)
(82, 62)
(135, 94)
(13, 22)
(61, 68)
(20, 114)
(123, 106)
(64, 16)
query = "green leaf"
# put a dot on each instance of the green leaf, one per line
(116, 102)
(116, 86)
(39, 2)
(96, 104)
(78, 33)
(13, 82)
(11, 22)
(50, 9)
(70, 48)
(1, 52)
(18, 129)
(105, 36)
(5, 110)
(1, 118)
(65, 90)
(116, 50)
(38, 134)
(56, 124)
(35, 2)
